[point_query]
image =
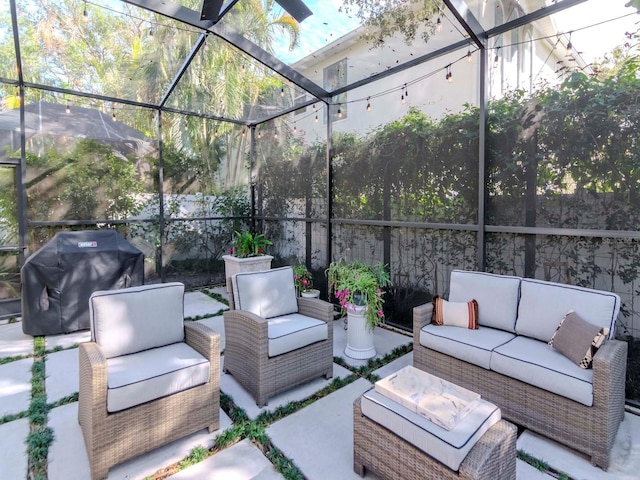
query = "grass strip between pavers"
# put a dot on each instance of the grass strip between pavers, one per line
(40, 435)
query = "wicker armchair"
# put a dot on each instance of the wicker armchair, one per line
(118, 425)
(254, 353)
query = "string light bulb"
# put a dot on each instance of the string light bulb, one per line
(438, 25)
(402, 99)
(295, 129)
(113, 115)
(243, 131)
(450, 79)
(151, 31)
(469, 57)
(496, 60)
(282, 92)
(368, 104)
(569, 46)
(275, 134)
(316, 118)
(406, 91)
(85, 14)
(259, 135)
(339, 112)
(68, 109)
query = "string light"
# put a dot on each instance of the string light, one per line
(450, 74)
(244, 131)
(469, 57)
(68, 109)
(275, 134)
(339, 111)
(368, 104)
(259, 135)
(316, 118)
(113, 114)
(438, 25)
(295, 129)
(282, 92)
(569, 46)
(406, 91)
(402, 98)
(85, 14)
(496, 60)
(151, 31)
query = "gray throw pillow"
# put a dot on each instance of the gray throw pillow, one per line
(577, 339)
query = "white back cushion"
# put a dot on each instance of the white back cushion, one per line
(497, 296)
(544, 304)
(138, 318)
(268, 293)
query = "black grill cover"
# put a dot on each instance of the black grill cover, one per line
(58, 279)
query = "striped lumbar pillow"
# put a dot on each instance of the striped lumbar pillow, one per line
(455, 314)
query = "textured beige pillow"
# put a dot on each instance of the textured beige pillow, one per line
(577, 339)
(455, 314)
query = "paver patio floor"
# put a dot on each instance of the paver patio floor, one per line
(317, 438)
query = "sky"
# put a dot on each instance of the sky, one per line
(325, 26)
(598, 40)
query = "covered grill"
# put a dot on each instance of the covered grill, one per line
(58, 279)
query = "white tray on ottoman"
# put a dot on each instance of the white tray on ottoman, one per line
(442, 402)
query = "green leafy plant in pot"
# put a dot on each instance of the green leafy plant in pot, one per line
(358, 284)
(247, 244)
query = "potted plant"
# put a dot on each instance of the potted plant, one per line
(358, 288)
(304, 282)
(246, 255)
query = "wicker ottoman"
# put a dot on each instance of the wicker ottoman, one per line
(378, 449)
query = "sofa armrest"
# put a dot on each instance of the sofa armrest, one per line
(202, 339)
(421, 317)
(246, 332)
(92, 365)
(316, 308)
(609, 376)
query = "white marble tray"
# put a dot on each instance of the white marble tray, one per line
(438, 400)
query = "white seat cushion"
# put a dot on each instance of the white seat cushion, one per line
(473, 346)
(536, 363)
(543, 305)
(138, 318)
(290, 332)
(144, 376)
(497, 296)
(449, 447)
(267, 294)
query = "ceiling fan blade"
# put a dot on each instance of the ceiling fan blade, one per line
(211, 10)
(296, 8)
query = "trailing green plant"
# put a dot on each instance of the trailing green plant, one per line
(358, 284)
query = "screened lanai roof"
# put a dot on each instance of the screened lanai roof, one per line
(162, 54)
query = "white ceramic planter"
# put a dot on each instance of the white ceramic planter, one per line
(313, 293)
(233, 265)
(359, 335)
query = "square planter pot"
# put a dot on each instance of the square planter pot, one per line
(233, 265)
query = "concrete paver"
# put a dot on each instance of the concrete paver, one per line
(62, 372)
(13, 449)
(13, 342)
(242, 461)
(15, 386)
(198, 304)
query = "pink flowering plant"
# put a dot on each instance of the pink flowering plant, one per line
(358, 284)
(302, 278)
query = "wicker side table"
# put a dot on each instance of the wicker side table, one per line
(378, 449)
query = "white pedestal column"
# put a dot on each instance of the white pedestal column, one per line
(359, 335)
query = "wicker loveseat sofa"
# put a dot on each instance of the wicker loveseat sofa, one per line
(509, 362)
